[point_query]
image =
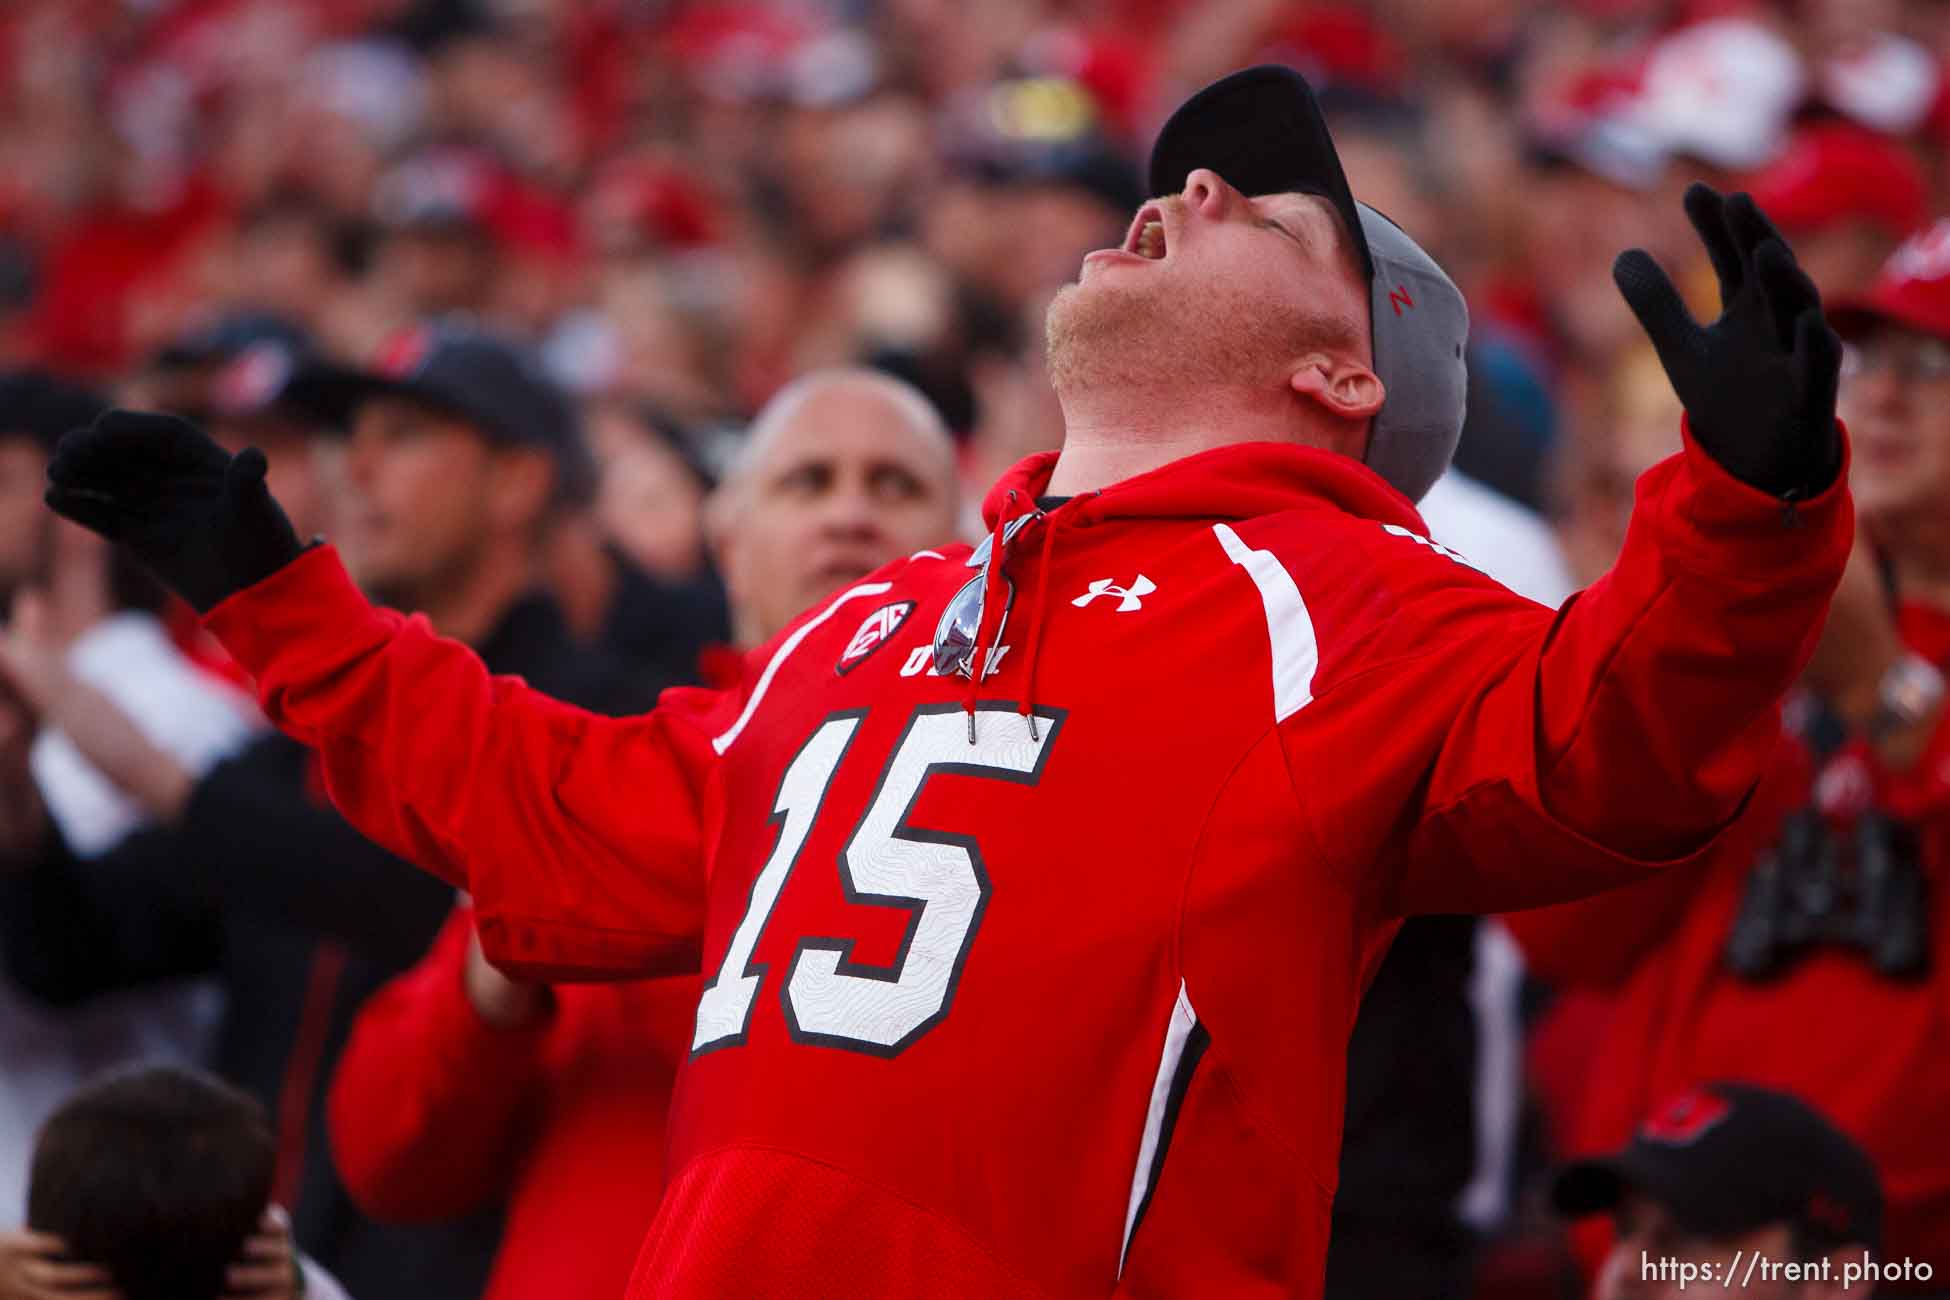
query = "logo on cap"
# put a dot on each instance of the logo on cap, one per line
(404, 352)
(1398, 298)
(1684, 1120)
(253, 380)
(873, 633)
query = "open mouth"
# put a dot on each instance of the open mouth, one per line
(1147, 235)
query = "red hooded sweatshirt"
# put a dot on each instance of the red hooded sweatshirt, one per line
(1040, 984)
(435, 1113)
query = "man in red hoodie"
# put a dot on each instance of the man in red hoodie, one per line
(1034, 889)
(1809, 954)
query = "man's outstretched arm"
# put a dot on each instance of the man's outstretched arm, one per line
(580, 837)
(1626, 733)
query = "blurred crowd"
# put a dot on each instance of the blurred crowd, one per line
(611, 334)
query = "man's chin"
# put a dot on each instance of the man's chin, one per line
(1096, 327)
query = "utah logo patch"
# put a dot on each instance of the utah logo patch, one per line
(876, 631)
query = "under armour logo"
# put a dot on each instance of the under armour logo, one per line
(1128, 596)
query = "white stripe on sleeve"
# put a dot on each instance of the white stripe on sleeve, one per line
(779, 656)
(1296, 655)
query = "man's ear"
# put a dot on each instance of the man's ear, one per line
(1344, 387)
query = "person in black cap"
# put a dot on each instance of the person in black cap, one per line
(458, 453)
(1035, 886)
(1722, 1189)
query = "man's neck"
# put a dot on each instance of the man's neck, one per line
(1919, 551)
(1106, 441)
(471, 608)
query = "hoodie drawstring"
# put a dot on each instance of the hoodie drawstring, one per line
(995, 615)
(1032, 648)
(991, 611)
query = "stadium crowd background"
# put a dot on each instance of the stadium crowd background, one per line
(680, 207)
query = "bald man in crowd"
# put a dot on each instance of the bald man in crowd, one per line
(460, 1084)
(844, 470)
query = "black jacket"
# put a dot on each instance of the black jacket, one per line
(302, 919)
(1408, 1143)
(665, 625)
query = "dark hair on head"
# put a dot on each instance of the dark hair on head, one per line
(157, 1175)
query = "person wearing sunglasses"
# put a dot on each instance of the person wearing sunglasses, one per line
(1034, 888)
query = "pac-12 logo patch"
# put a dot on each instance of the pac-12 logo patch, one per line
(878, 628)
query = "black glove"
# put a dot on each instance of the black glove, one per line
(197, 516)
(1759, 382)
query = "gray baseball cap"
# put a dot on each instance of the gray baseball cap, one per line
(1262, 130)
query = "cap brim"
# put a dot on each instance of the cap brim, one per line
(1597, 1186)
(1589, 1187)
(1262, 130)
(333, 394)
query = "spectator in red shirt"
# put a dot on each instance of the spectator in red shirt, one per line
(459, 1084)
(1809, 955)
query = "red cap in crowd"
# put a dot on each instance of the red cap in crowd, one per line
(1837, 172)
(1912, 290)
(1343, 45)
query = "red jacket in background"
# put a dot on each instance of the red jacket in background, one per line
(434, 1114)
(1052, 997)
(105, 259)
(1871, 1052)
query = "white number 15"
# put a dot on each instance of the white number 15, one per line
(937, 876)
